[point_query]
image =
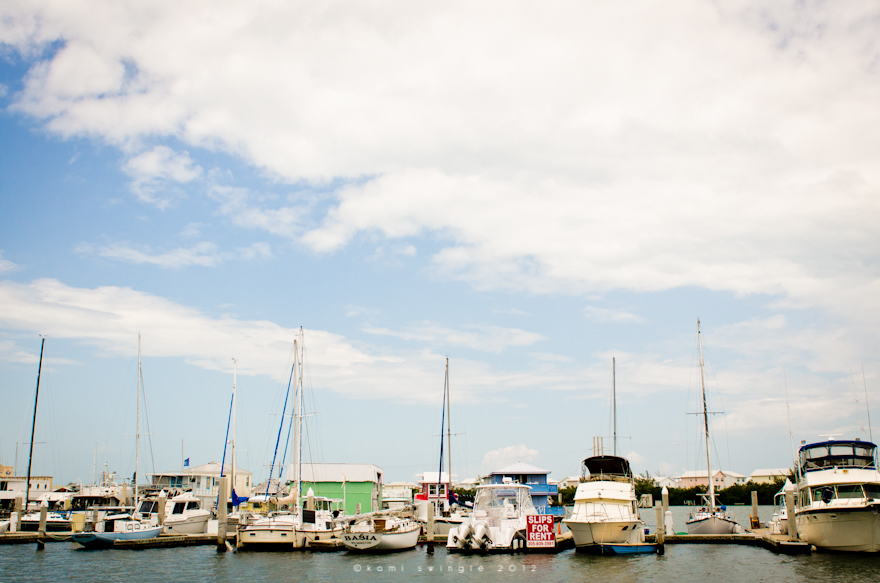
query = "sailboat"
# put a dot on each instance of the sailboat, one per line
(110, 524)
(710, 518)
(437, 488)
(293, 527)
(605, 518)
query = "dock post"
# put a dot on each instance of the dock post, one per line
(664, 495)
(163, 500)
(221, 514)
(358, 508)
(44, 509)
(429, 529)
(792, 523)
(15, 524)
(660, 536)
(756, 523)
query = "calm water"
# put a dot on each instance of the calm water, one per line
(730, 563)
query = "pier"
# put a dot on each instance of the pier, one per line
(777, 543)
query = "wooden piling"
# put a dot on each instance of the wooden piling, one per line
(792, 523)
(221, 514)
(429, 529)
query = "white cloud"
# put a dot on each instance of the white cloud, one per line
(609, 315)
(204, 254)
(478, 336)
(7, 265)
(497, 459)
(153, 171)
(607, 146)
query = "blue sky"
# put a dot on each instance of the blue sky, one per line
(529, 191)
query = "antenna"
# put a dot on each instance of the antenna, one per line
(797, 468)
(867, 408)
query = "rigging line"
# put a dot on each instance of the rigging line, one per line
(280, 425)
(226, 440)
(867, 407)
(724, 417)
(442, 429)
(856, 399)
(116, 416)
(147, 418)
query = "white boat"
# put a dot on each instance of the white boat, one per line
(382, 534)
(4, 526)
(112, 525)
(183, 514)
(779, 521)
(108, 525)
(295, 527)
(55, 521)
(711, 518)
(605, 507)
(838, 499)
(498, 522)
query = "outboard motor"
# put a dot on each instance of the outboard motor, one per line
(482, 538)
(462, 536)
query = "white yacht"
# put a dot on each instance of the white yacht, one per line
(183, 514)
(605, 517)
(839, 496)
(498, 522)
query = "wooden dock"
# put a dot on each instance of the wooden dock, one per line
(164, 541)
(18, 538)
(776, 543)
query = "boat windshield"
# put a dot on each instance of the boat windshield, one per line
(606, 468)
(837, 454)
(148, 507)
(493, 500)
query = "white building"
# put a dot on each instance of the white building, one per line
(204, 481)
(722, 479)
(769, 476)
(668, 482)
(569, 482)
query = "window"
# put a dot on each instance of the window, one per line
(850, 491)
(432, 489)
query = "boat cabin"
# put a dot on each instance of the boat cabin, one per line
(837, 454)
(607, 468)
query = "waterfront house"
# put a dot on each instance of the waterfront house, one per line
(351, 484)
(523, 473)
(204, 482)
(769, 476)
(722, 479)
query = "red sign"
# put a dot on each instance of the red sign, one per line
(539, 531)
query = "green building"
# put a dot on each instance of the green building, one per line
(351, 483)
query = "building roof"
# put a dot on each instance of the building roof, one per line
(434, 477)
(519, 468)
(782, 473)
(209, 469)
(339, 473)
(703, 474)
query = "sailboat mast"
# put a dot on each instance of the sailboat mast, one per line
(448, 435)
(302, 403)
(27, 495)
(614, 399)
(137, 431)
(296, 428)
(234, 379)
(706, 424)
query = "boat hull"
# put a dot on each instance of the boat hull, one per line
(624, 549)
(850, 530)
(197, 524)
(281, 538)
(379, 542)
(609, 532)
(711, 525)
(92, 540)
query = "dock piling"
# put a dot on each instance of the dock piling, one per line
(755, 522)
(44, 509)
(221, 514)
(429, 529)
(792, 523)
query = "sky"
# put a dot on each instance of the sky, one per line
(527, 189)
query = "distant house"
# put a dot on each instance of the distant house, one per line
(204, 481)
(434, 487)
(667, 482)
(722, 479)
(769, 476)
(351, 484)
(523, 473)
(569, 482)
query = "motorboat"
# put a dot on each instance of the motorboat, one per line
(838, 496)
(183, 514)
(498, 522)
(55, 521)
(605, 508)
(109, 525)
(381, 534)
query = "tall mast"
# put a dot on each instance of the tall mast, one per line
(706, 424)
(234, 378)
(27, 495)
(137, 431)
(296, 427)
(614, 398)
(448, 435)
(302, 402)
